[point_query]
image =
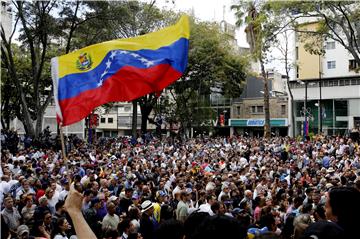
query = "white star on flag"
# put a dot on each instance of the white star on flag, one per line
(123, 52)
(143, 60)
(135, 55)
(113, 53)
(103, 74)
(108, 63)
(149, 63)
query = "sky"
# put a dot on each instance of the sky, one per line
(213, 10)
(207, 10)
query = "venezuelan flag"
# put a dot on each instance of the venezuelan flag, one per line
(118, 70)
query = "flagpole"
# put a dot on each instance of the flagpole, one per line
(63, 148)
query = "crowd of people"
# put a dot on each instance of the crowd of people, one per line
(229, 187)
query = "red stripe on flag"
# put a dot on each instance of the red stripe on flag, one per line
(127, 84)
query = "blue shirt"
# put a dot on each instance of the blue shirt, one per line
(326, 161)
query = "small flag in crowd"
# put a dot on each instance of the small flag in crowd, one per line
(118, 70)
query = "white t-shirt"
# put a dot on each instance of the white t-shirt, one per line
(63, 194)
(59, 236)
(206, 208)
(4, 187)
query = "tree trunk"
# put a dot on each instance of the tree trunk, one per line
(28, 125)
(144, 117)
(267, 130)
(145, 112)
(292, 106)
(38, 125)
(3, 125)
(134, 119)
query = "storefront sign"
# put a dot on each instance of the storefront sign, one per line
(255, 122)
(274, 122)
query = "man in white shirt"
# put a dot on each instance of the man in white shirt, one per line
(182, 208)
(65, 191)
(4, 184)
(111, 220)
(210, 199)
(25, 189)
(224, 191)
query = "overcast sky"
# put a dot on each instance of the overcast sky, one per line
(207, 10)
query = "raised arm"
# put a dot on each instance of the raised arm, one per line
(73, 205)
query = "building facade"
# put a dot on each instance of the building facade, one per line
(118, 121)
(329, 86)
(248, 116)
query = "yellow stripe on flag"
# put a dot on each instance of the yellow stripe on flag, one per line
(151, 41)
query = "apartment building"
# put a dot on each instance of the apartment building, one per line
(327, 84)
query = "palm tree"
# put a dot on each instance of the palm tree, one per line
(247, 14)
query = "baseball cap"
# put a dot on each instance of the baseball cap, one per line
(236, 211)
(135, 196)
(22, 229)
(64, 181)
(161, 193)
(113, 198)
(94, 201)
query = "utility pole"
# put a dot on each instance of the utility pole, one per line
(117, 120)
(320, 108)
(305, 112)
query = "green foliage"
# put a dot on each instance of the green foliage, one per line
(213, 65)
(27, 65)
(261, 28)
(337, 20)
(52, 28)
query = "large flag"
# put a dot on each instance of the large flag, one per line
(118, 70)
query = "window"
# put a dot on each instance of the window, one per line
(257, 109)
(110, 120)
(283, 109)
(238, 110)
(102, 120)
(353, 65)
(330, 45)
(253, 109)
(331, 65)
(297, 53)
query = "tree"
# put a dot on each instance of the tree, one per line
(52, 28)
(213, 66)
(124, 19)
(10, 103)
(46, 30)
(38, 28)
(338, 20)
(262, 28)
(257, 37)
(284, 47)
